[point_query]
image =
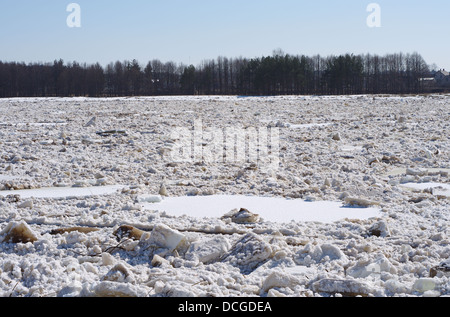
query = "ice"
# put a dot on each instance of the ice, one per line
(424, 284)
(63, 192)
(164, 237)
(6, 178)
(150, 199)
(287, 210)
(356, 204)
(279, 279)
(308, 125)
(210, 250)
(438, 188)
(18, 232)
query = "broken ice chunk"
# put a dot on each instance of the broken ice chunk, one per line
(18, 232)
(164, 237)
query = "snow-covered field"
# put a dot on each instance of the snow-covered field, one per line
(93, 201)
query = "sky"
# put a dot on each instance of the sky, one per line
(189, 31)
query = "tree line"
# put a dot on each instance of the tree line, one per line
(279, 74)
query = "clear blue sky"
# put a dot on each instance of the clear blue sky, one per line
(189, 31)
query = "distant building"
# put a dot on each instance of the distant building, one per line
(436, 81)
(442, 78)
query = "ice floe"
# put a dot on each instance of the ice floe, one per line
(287, 209)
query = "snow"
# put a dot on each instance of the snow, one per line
(6, 178)
(357, 206)
(288, 209)
(63, 192)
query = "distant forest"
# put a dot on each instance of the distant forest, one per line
(279, 74)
